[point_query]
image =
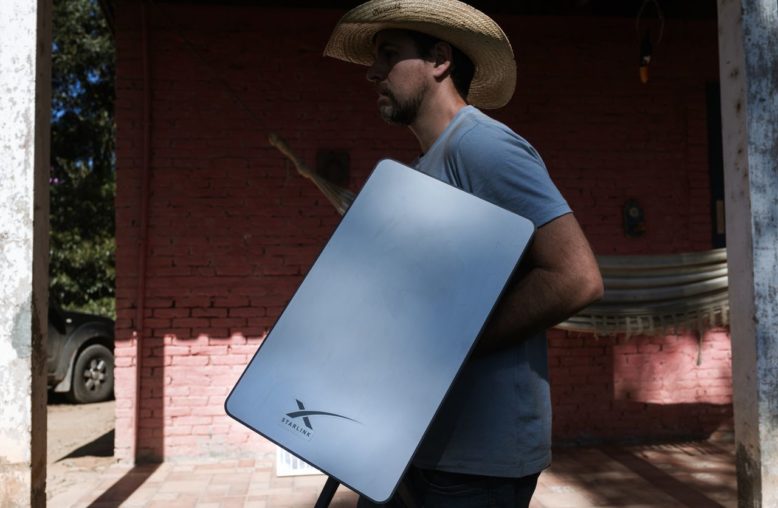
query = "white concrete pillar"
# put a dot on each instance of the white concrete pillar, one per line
(748, 55)
(25, 104)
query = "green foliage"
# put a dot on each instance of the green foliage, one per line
(81, 268)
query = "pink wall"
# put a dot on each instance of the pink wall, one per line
(232, 229)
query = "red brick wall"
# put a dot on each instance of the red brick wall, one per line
(639, 388)
(232, 228)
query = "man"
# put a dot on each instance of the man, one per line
(433, 63)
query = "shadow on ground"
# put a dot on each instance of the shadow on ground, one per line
(100, 447)
(125, 486)
(690, 474)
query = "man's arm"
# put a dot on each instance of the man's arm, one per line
(562, 277)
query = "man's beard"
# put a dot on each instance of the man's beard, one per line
(401, 112)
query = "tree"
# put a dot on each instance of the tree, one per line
(81, 268)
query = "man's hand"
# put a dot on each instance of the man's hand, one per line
(558, 277)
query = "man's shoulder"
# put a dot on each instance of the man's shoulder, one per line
(478, 130)
(479, 137)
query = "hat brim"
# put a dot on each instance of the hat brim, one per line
(457, 23)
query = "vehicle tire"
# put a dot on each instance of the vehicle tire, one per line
(92, 375)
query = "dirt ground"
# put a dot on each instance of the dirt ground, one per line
(80, 441)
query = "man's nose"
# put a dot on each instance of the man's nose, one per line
(374, 73)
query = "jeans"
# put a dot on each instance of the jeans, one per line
(438, 489)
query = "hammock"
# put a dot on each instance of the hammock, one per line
(649, 295)
(644, 295)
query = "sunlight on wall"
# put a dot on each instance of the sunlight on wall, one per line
(665, 370)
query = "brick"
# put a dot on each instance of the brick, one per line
(189, 323)
(178, 411)
(177, 391)
(157, 323)
(213, 410)
(179, 430)
(193, 361)
(171, 313)
(124, 361)
(209, 350)
(192, 420)
(191, 441)
(227, 322)
(248, 349)
(232, 339)
(190, 401)
(189, 340)
(124, 350)
(233, 359)
(174, 350)
(210, 312)
(247, 312)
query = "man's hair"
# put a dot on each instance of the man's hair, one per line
(462, 69)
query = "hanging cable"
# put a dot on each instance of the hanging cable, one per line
(214, 72)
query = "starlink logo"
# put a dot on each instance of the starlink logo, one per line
(299, 421)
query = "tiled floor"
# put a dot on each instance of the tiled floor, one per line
(697, 474)
(694, 474)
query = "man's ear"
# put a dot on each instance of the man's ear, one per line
(443, 55)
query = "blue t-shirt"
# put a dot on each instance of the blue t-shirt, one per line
(496, 420)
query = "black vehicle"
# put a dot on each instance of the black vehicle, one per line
(80, 355)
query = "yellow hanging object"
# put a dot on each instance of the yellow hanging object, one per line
(646, 46)
(645, 57)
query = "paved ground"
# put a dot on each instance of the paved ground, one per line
(698, 475)
(694, 474)
(82, 473)
(80, 443)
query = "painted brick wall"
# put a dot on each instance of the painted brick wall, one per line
(638, 388)
(232, 229)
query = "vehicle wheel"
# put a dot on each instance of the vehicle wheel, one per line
(92, 375)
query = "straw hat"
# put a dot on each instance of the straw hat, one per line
(468, 29)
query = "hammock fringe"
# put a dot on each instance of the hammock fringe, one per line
(691, 293)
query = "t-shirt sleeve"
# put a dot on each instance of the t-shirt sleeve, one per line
(504, 169)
